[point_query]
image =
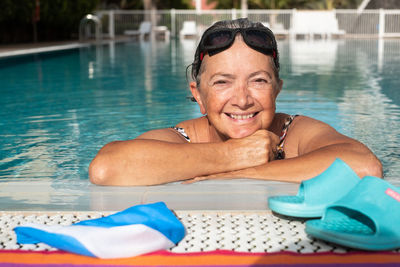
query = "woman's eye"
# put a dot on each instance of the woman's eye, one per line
(261, 80)
(260, 83)
(220, 82)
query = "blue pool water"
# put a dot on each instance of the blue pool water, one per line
(57, 109)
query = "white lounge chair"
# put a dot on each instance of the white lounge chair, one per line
(189, 29)
(162, 30)
(332, 26)
(144, 29)
(312, 23)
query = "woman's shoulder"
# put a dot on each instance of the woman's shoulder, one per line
(282, 119)
(299, 124)
(197, 129)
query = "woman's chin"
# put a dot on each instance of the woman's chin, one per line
(241, 134)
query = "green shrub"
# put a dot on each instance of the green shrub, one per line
(59, 19)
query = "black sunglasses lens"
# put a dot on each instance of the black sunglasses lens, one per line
(259, 38)
(218, 39)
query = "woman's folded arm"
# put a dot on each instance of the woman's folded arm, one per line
(163, 156)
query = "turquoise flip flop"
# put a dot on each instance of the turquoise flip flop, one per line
(316, 194)
(368, 217)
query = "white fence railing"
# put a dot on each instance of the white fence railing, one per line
(349, 23)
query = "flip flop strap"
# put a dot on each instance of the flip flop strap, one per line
(376, 199)
(331, 185)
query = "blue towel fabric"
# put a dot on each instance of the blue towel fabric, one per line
(137, 230)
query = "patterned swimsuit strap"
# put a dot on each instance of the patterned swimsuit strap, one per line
(288, 121)
(182, 132)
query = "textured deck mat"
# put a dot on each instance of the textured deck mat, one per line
(212, 239)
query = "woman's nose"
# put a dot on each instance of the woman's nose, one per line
(242, 96)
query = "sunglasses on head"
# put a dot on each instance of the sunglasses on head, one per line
(217, 40)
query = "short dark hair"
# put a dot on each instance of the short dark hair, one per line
(241, 23)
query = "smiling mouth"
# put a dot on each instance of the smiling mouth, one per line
(241, 116)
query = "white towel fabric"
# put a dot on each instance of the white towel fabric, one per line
(137, 230)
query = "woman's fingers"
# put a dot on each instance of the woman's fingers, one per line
(269, 142)
(253, 150)
(223, 175)
(196, 179)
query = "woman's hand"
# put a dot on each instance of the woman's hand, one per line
(253, 150)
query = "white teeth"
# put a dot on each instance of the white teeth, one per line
(241, 117)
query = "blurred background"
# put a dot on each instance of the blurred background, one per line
(25, 21)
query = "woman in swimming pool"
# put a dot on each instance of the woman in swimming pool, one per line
(236, 83)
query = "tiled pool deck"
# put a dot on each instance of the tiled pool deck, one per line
(23, 49)
(29, 48)
(221, 214)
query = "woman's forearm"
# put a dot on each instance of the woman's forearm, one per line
(149, 162)
(309, 165)
(159, 157)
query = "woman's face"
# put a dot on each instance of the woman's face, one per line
(237, 90)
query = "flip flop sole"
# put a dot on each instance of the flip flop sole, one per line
(294, 206)
(350, 233)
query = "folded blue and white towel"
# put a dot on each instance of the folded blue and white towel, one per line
(137, 230)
